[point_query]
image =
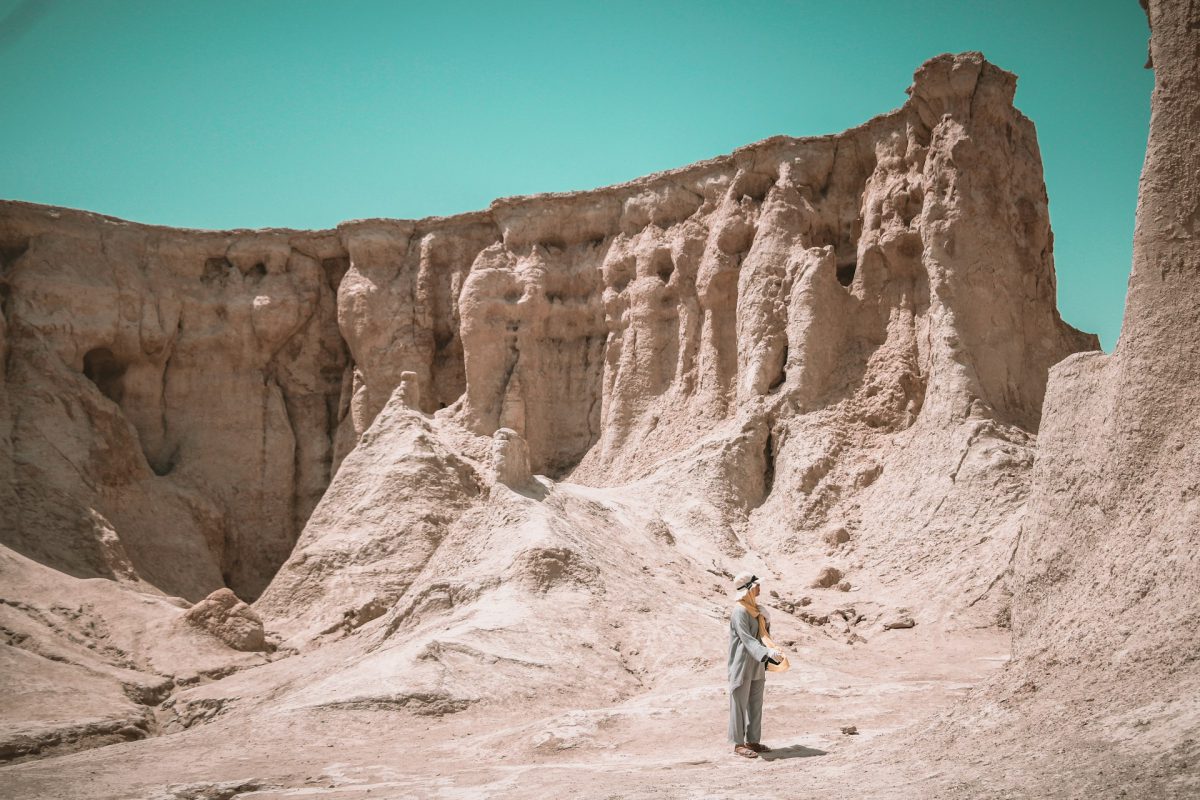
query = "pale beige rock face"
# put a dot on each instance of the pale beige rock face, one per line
(1112, 537)
(1100, 699)
(382, 518)
(866, 319)
(171, 396)
(510, 459)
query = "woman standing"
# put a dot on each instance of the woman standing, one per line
(748, 657)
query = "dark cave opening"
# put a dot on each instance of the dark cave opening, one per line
(782, 376)
(845, 273)
(768, 466)
(101, 367)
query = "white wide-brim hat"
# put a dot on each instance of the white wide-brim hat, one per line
(743, 582)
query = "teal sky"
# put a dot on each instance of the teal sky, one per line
(303, 114)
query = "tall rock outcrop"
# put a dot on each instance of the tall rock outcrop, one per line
(1100, 697)
(1108, 571)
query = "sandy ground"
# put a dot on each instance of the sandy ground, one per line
(668, 742)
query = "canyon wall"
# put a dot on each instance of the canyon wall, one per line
(849, 331)
(877, 301)
(410, 443)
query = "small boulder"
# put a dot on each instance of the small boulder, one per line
(836, 536)
(409, 390)
(805, 601)
(660, 531)
(899, 622)
(132, 732)
(829, 576)
(223, 615)
(850, 730)
(844, 586)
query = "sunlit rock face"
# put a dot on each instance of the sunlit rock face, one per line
(863, 321)
(177, 401)
(409, 443)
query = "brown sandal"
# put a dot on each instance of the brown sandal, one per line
(758, 748)
(745, 750)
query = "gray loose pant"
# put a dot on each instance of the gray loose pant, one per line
(745, 712)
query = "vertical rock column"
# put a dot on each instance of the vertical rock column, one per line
(1113, 530)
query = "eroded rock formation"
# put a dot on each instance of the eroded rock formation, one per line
(824, 354)
(898, 273)
(1106, 577)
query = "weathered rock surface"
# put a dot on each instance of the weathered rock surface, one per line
(1112, 539)
(385, 514)
(860, 324)
(85, 659)
(171, 396)
(878, 303)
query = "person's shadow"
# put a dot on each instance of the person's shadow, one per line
(795, 751)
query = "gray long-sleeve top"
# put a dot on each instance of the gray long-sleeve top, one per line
(746, 652)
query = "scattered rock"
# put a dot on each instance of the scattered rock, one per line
(850, 730)
(827, 577)
(132, 732)
(229, 619)
(805, 601)
(844, 586)
(660, 531)
(899, 622)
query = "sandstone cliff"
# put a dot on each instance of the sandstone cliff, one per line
(171, 396)
(895, 277)
(450, 458)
